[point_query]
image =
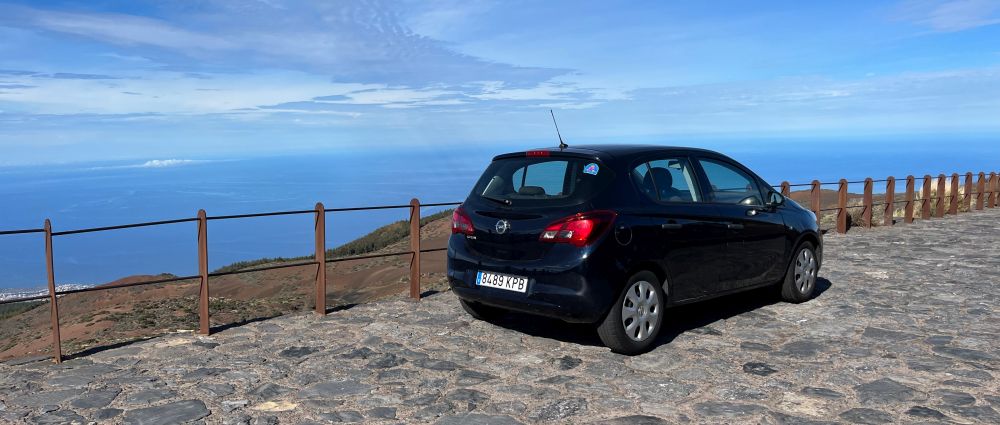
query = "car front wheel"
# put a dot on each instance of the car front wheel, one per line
(800, 279)
(636, 318)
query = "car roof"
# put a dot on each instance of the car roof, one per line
(632, 149)
(616, 151)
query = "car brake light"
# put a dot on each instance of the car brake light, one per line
(536, 153)
(461, 223)
(579, 229)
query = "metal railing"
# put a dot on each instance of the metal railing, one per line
(987, 194)
(204, 275)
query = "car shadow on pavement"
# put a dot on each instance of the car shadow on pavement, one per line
(696, 317)
(693, 317)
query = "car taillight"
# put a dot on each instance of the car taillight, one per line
(579, 229)
(461, 223)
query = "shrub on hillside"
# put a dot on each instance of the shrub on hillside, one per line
(374, 241)
(10, 310)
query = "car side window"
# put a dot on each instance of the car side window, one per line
(666, 180)
(729, 185)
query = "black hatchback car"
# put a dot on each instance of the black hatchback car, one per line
(613, 234)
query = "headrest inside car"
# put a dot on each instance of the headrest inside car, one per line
(663, 179)
(531, 190)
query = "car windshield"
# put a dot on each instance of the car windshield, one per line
(542, 182)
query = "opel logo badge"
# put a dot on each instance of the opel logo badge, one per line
(502, 227)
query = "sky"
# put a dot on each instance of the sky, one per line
(102, 80)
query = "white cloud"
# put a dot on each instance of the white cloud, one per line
(570, 105)
(155, 164)
(131, 59)
(168, 92)
(397, 95)
(950, 15)
(352, 41)
(908, 102)
(163, 163)
(497, 90)
(441, 19)
(128, 30)
(443, 102)
(368, 49)
(217, 75)
(154, 95)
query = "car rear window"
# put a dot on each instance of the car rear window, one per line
(542, 182)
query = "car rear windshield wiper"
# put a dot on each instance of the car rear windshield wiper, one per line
(498, 200)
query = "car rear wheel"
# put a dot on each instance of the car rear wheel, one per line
(481, 311)
(636, 318)
(800, 279)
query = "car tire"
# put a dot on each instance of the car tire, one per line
(614, 331)
(481, 311)
(800, 279)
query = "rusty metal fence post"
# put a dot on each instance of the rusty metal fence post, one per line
(53, 302)
(890, 200)
(953, 199)
(925, 201)
(996, 190)
(204, 327)
(939, 206)
(786, 188)
(842, 206)
(415, 247)
(866, 215)
(980, 190)
(983, 187)
(908, 207)
(991, 198)
(320, 259)
(967, 198)
(815, 199)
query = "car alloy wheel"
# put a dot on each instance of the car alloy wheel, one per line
(640, 311)
(805, 270)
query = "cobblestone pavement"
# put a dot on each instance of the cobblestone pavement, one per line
(904, 330)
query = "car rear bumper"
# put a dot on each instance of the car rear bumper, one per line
(572, 290)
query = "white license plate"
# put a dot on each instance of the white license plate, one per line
(502, 281)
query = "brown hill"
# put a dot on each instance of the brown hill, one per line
(103, 318)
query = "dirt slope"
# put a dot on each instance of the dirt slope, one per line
(102, 318)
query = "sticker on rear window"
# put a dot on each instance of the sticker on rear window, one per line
(591, 169)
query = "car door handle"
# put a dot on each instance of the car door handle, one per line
(672, 225)
(734, 226)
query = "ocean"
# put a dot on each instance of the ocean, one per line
(80, 195)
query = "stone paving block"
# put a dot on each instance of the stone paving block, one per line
(167, 414)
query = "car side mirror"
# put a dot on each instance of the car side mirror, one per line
(775, 199)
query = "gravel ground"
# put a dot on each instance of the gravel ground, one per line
(904, 329)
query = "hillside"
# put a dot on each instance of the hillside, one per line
(374, 241)
(103, 318)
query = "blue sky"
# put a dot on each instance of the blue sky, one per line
(222, 78)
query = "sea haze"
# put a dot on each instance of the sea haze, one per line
(90, 195)
(94, 195)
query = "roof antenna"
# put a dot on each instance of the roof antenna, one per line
(562, 145)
